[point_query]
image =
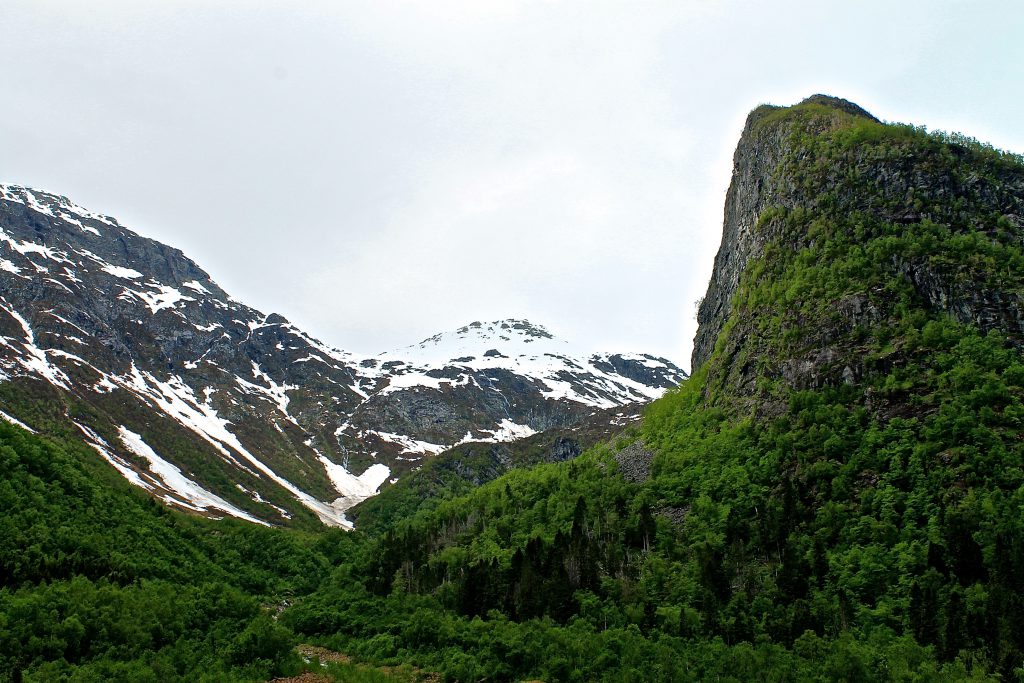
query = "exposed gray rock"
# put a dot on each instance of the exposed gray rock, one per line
(894, 189)
(634, 463)
(754, 187)
(675, 515)
(108, 329)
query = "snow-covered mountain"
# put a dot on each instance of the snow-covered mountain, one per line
(216, 407)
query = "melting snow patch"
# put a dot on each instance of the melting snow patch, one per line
(118, 271)
(163, 297)
(26, 248)
(36, 362)
(409, 445)
(354, 489)
(507, 431)
(15, 421)
(55, 206)
(176, 399)
(119, 463)
(194, 285)
(104, 386)
(176, 482)
(276, 393)
(510, 431)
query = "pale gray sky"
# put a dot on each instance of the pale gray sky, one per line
(379, 171)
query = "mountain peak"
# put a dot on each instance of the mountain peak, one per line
(278, 423)
(838, 103)
(509, 336)
(55, 206)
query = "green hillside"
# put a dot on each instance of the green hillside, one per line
(98, 582)
(836, 494)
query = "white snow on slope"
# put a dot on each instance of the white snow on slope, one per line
(35, 361)
(409, 445)
(523, 348)
(185, 491)
(119, 463)
(196, 286)
(510, 431)
(176, 399)
(421, 379)
(513, 338)
(54, 206)
(122, 272)
(354, 489)
(468, 356)
(507, 431)
(15, 421)
(162, 297)
(26, 248)
(274, 391)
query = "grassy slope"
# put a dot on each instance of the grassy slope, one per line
(458, 470)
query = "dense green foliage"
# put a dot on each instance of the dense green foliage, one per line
(99, 582)
(458, 470)
(856, 520)
(835, 495)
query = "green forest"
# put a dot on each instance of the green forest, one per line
(855, 515)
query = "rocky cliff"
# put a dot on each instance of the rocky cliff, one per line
(835, 494)
(755, 186)
(827, 168)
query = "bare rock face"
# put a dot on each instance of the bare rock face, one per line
(755, 186)
(820, 160)
(634, 463)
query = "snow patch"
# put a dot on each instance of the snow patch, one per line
(26, 248)
(54, 206)
(163, 297)
(177, 400)
(17, 422)
(119, 463)
(408, 444)
(36, 361)
(194, 495)
(196, 286)
(121, 272)
(354, 489)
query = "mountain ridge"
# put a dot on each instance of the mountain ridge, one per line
(139, 340)
(834, 495)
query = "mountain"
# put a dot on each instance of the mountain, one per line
(834, 495)
(474, 463)
(218, 408)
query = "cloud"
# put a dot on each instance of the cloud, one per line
(380, 171)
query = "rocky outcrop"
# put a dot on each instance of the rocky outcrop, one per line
(754, 187)
(634, 463)
(818, 159)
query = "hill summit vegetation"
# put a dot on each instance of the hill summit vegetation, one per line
(835, 494)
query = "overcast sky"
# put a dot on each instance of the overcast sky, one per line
(381, 171)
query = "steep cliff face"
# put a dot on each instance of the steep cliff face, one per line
(940, 219)
(754, 187)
